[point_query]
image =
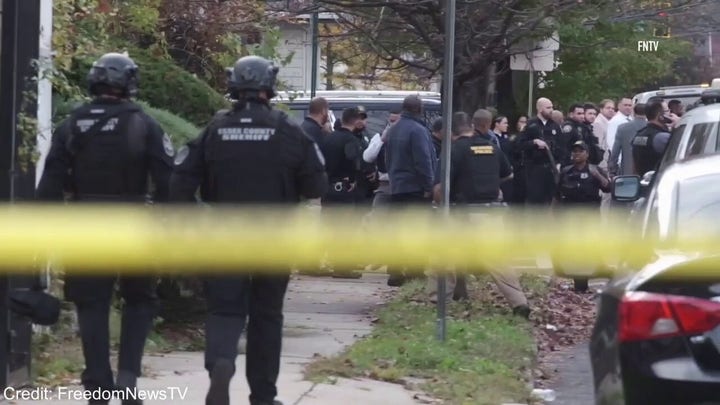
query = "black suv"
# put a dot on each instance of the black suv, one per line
(377, 104)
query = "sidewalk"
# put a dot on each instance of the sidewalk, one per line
(322, 317)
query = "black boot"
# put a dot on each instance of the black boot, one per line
(220, 376)
(126, 382)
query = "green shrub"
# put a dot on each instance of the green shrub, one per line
(165, 85)
(179, 129)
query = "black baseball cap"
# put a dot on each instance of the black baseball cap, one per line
(580, 144)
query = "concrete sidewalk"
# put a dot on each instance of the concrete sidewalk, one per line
(323, 316)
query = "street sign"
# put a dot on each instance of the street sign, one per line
(538, 61)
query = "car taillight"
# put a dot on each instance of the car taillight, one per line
(646, 316)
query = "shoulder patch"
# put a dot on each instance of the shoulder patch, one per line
(182, 155)
(482, 150)
(168, 146)
(567, 128)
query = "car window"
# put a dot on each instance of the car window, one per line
(296, 115)
(698, 207)
(673, 146)
(702, 140)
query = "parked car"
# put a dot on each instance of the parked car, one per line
(695, 134)
(656, 338)
(377, 104)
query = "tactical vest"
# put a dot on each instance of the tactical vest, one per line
(579, 187)
(243, 156)
(478, 176)
(644, 155)
(108, 143)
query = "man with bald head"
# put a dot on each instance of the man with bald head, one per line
(538, 142)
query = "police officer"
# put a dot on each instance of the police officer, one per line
(582, 181)
(539, 143)
(249, 154)
(648, 145)
(343, 151)
(575, 129)
(103, 153)
(477, 168)
(580, 185)
(368, 182)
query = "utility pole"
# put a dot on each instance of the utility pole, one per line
(20, 41)
(314, 70)
(447, 104)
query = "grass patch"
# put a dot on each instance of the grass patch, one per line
(483, 361)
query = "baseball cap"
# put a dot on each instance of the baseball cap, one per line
(580, 144)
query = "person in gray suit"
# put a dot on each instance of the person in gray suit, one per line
(621, 158)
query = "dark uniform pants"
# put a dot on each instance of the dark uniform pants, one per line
(92, 297)
(415, 200)
(540, 185)
(230, 301)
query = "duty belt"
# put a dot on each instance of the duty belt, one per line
(339, 186)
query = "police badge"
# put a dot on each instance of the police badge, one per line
(567, 128)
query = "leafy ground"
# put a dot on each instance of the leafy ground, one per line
(486, 359)
(562, 319)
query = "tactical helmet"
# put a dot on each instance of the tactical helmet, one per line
(114, 70)
(252, 73)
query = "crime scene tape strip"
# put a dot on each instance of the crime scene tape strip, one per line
(91, 239)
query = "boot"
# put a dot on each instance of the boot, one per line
(220, 376)
(127, 381)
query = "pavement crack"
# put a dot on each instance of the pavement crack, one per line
(304, 394)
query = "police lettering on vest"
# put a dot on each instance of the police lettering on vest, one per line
(246, 134)
(476, 168)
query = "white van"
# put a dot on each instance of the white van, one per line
(688, 95)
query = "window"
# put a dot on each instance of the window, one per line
(698, 207)
(703, 139)
(672, 147)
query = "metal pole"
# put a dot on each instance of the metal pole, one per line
(313, 79)
(531, 84)
(448, 74)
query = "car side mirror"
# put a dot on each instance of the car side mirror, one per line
(626, 188)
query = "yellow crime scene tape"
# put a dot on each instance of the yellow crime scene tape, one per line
(92, 239)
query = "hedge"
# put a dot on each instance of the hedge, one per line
(166, 86)
(179, 129)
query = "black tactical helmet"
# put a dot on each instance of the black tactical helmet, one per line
(252, 73)
(114, 70)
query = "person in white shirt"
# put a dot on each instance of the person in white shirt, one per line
(375, 153)
(600, 126)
